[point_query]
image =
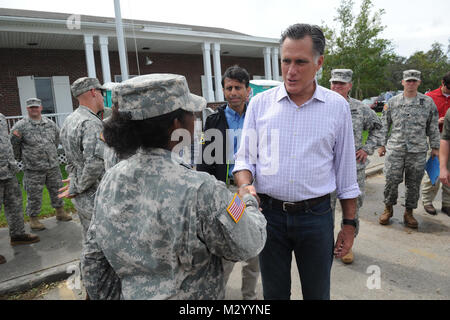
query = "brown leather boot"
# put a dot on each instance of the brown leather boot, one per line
(429, 208)
(2, 259)
(35, 224)
(409, 220)
(61, 215)
(25, 238)
(387, 214)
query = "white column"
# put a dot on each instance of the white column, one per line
(275, 68)
(121, 42)
(103, 40)
(89, 50)
(206, 47)
(217, 72)
(267, 67)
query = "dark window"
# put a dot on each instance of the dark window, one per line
(44, 91)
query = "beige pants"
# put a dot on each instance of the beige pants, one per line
(429, 191)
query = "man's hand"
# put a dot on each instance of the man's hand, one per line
(441, 120)
(444, 176)
(361, 156)
(381, 151)
(17, 134)
(64, 191)
(435, 153)
(344, 241)
(249, 189)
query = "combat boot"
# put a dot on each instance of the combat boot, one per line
(387, 214)
(348, 258)
(26, 238)
(2, 259)
(409, 220)
(35, 224)
(61, 215)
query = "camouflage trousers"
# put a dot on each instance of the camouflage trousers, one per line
(11, 198)
(407, 165)
(361, 175)
(84, 203)
(250, 271)
(429, 191)
(34, 181)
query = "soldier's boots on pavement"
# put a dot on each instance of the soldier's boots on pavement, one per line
(61, 215)
(409, 220)
(2, 259)
(446, 210)
(26, 238)
(387, 214)
(429, 208)
(348, 258)
(35, 224)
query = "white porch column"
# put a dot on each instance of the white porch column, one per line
(217, 72)
(267, 67)
(275, 68)
(103, 40)
(206, 47)
(89, 50)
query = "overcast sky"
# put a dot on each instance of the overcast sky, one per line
(412, 25)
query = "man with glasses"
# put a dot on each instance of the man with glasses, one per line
(35, 141)
(84, 147)
(410, 118)
(441, 97)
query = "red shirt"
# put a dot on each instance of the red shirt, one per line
(442, 102)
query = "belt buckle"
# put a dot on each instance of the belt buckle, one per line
(284, 205)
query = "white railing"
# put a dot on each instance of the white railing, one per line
(58, 118)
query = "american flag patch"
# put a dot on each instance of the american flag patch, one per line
(236, 208)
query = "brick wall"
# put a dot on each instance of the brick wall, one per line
(72, 63)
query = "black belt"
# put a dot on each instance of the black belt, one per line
(291, 206)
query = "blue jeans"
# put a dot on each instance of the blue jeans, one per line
(310, 234)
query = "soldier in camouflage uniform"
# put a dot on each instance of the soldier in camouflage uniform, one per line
(411, 117)
(35, 141)
(81, 139)
(10, 193)
(161, 229)
(363, 118)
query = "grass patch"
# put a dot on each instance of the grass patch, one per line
(46, 209)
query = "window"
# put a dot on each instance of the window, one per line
(44, 91)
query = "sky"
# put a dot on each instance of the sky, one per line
(412, 25)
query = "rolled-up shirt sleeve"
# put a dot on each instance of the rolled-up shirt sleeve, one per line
(246, 156)
(345, 160)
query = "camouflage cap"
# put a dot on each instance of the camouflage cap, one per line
(84, 84)
(156, 94)
(341, 75)
(411, 75)
(34, 102)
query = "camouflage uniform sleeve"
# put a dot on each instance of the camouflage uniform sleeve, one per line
(433, 126)
(93, 150)
(57, 139)
(386, 123)
(16, 142)
(99, 278)
(374, 126)
(221, 234)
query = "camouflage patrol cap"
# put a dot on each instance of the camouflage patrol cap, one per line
(84, 84)
(341, 75)
(156, 94)
(411, 75)
(34, 102)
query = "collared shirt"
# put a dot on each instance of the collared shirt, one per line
(301, 152)
(442, 102)
(235, 123)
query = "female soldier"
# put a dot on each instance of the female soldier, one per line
(160, 229)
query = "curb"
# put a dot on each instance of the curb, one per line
(30, 281)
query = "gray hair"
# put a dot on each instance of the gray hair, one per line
(300, 30)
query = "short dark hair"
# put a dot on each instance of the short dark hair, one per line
(236, 73)
(125, 136)
(446, 79)
(300, 30)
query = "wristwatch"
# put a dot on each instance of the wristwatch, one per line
(351, 222)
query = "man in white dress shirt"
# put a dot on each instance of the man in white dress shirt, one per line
(312, 128)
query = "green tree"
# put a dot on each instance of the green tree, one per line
(358, 46)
